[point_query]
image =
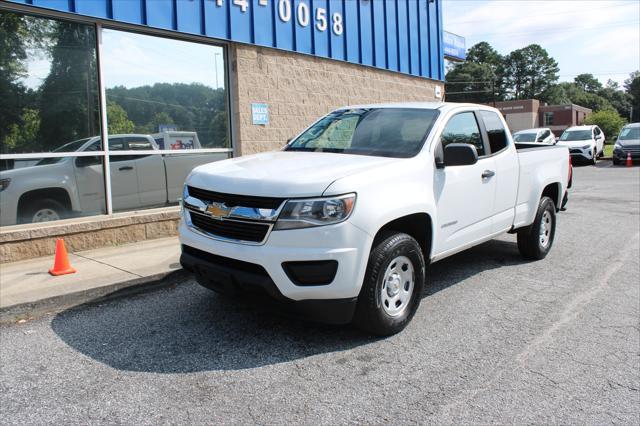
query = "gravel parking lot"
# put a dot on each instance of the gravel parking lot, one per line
(496, 339)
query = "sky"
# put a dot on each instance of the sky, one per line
(601, 37)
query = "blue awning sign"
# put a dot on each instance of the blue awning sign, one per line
(454, 46)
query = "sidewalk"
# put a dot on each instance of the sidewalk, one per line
(27, 289)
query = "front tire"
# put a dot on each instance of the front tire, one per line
(392, 287)
(594, 159)
(535, 241)
(45, 210)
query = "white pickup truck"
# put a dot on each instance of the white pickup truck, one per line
(343, 222)
(57, 188)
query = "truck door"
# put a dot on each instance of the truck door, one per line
(507, 169)
(150, 173)
(464, 195)
(124, 181)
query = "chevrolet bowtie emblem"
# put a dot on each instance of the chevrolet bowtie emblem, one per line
(218, 210)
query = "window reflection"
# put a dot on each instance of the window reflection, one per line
(172, 90)
(48, 84)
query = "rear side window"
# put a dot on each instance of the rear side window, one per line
(496, 131)
(463, 128)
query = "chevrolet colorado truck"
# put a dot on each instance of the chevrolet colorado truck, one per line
(342, 223)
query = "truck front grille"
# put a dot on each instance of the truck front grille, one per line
(238, 230)
(234, 200)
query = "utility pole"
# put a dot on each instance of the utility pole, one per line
(493, 91)
(215, 60)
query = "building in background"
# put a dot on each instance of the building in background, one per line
(529, 114)
(108, 104)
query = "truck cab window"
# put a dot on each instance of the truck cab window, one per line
(496, 131)
(462, 128)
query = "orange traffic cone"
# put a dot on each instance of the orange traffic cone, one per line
(61, 264)
(629, 162)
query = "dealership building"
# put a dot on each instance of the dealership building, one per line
(108, 104)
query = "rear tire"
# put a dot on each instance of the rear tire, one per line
(535, 241)
(392, 287)
(44, 210)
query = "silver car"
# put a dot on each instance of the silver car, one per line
(628, 142)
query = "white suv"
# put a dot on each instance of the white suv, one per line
(540, 135)
(585, 142)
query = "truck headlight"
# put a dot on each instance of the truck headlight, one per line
(586, 147)
(315, 212)
(4, 183)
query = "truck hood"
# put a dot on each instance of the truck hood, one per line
(576, 144)
(281, 173)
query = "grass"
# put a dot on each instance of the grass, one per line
(608, 150)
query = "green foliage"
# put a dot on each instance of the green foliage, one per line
(118, 121)
(609, 121)
(529, 71)
(632, 87)
(69, 94)
(588, 83)
(25, 135)
(191, 107)
(468, 83)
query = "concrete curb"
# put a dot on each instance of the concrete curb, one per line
(32, 310)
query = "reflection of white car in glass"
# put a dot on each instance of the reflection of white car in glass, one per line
(584, 142)
(173, 139)
(539, 135)
(55, 188)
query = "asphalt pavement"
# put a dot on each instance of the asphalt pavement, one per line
(496, 340)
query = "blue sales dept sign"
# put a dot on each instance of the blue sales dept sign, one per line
(454, 46)
(398, 35)
(260, 113)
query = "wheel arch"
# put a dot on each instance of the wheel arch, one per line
(417, 225)
(59, 194)
(554, 192)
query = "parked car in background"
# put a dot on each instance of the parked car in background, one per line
(539, 135)
(343, 222)
(584, 142)
(628, 142)
(57, 188)
(174, 139)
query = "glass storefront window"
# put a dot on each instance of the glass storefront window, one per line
(48, 84)
(165, 99)
(172, 90)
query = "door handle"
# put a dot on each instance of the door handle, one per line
(125, 168)
(487, 174)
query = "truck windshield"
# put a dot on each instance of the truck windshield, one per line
(68, 147)
(576, 135)
(524, 137)
(384, 132)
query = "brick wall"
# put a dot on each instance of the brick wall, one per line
(299, 89)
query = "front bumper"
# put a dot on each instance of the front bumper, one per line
(621, 154)
(582, 153)
(343, 243)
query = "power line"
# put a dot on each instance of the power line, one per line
(560, 75)
(569, 12)
(563, 30)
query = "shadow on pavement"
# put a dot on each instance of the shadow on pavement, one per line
(188, 328)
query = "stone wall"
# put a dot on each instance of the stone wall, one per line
(301, 88)
(29, 241)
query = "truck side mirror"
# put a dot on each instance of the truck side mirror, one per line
(460, 154)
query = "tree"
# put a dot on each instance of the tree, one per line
(618, 99)
(23, 137)
(529, 71)
(632, 87)
(69, 94)
(470, 82)
(565, 93)
(483, 53)
(118, 121)
(608, 120)
(588, 83)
